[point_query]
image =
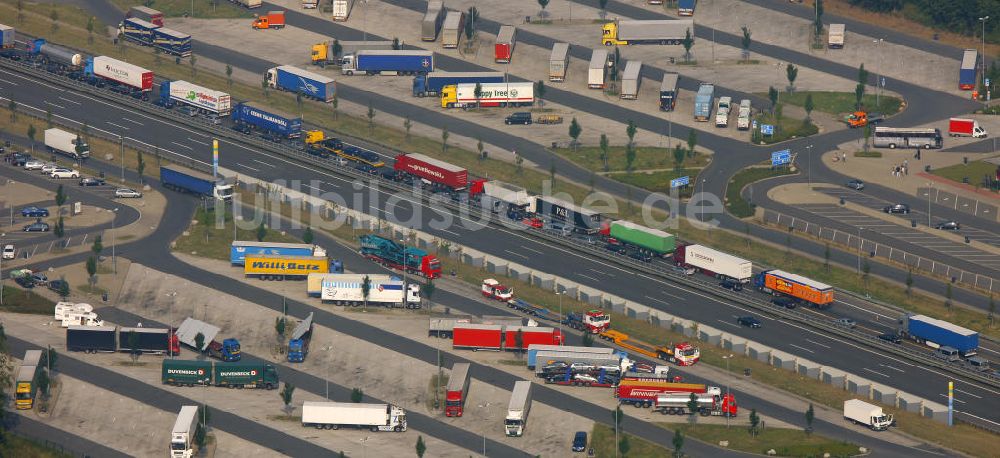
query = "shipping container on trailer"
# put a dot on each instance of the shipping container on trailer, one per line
(654, 240)
(451, 31)
(778, 282)
(703, 102)
(503, 49)
(598, 70)
(583, 220)
(146, 14)
(559, 62)
(433, 170)
(433, 18)
(631, 79)
(122, 72)
(668, 91)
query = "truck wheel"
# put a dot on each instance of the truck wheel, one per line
(397, 429)
(350, 73)
(892, 146)
(334, 427)
(374, 429)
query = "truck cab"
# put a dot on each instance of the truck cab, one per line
(722, 111)
(271, 20)
(493, 289)
(228, 350)
(413, 296)
(609, 35)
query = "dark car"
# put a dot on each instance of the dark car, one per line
(242, 128)
(521, 117)
(731, 284)
(91, 181)
(58, 285)
(748, 321)
(897, 208)
(34, 212)
(37, 227)
(25, 281)
(891, 338)
(856, 185)
(948, 226)
(580, 441)
(783, 302)
(366, 168)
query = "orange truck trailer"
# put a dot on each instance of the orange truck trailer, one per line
(683, 354)
(797, 287)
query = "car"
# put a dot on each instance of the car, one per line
(585, 378)
(34, 212)
(580, 441)
(785, 302)
(64, 173)
(58, 285)
(25, 281)
(37, 227)
(521, 117)
(8, 251)
(48, 168)
(533, 222)
(846, 322)
(126, 193)
(948, 226)
(897, 208)
(748, 321)
(582, 366)
(644, 368)
(731, 284)
(91, 181)
(40, 278)
(891, 337)
(557, 366)
(683, 270)
(855, 184)
(608, 369)
(33, 165)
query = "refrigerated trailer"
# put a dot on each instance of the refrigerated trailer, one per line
(66, 143)
(661, 32)
(631, 80)
(451, 31)
(518, 94)
(518, 408)
(120, 72)
(597, 72)
(433, 18)
(668, 91)
(335, 415)
(208, 100)
(503, 49)
(559, 62)
(342, 9)
(182, 435)
(384, 290)
(968, 72)
(714, 263)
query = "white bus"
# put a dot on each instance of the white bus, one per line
(891, 137)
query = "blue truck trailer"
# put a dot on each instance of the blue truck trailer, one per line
(938, 333)
(172, 42)
(432, 83)
(184, 179)
(397, 62)
(292, 79)
(249, 116)
(686, 7)
(239, 250)
(137, 30)
(968, 71)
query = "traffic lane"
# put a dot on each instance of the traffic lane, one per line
(975, 207)
(71, 443)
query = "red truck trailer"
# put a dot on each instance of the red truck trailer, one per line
(643, 393)
(497, 337)
(458, 390)
(504, 47)
(437, 172)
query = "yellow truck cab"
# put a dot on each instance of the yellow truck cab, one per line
(609, 35)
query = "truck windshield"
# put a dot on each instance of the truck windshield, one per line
(690, 352)
(178, 446)
(510, 422)
(453, 403)
(23, 396)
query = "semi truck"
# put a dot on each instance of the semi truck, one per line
(391, 62)
(384, 290)
(962, 127)
(65, 58)
(111, 339)
(592, 321)
(937, 334)
(182, 442)
(559, 62)
(298, 344)
(535, 349)
(601, 378)
(797, 287)
(183, 179)
(207, 100)
(658, 32)
(451, 31)
(643, 393)
(493, 289)
(432, 83)
(597, 72)
(743, 115)
(517, 409)
(25, 384)
(631, 80)
(292, 79)
(551, 362)
(968, 72)
(146, 14)
(269, 20)
(654, 240)
(342, 9)
(668, 91)
(179, 372)
(325, 53)
(240, 249)
(335, 415)
(276, 125)
(835, 39)
(118, 72)
(707, 404)
(433, 18)
(722, 111)
(389, 253)
(870, 415)
(714, 263)
(496, 337)
(491, 95)
(172, 42)
(458, 390)
(137, 30)
(438, 173)
(686, 8)
(6, 37)
(66, 143)
(579, 219)
(703, 102)
(682, 354)
(284, 267)
(529, 308)
(318, 144)
(227, 350)
(503, 49)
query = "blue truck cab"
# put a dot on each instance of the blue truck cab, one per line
(432, 83)
(228, 350)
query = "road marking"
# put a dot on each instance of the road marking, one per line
(876, 372)
(817, 343)
(731, 324)
(312, 187)
(84, 239)
(516, 254)
(64, 99)
(956, 400)
(802, 348)
(532, 250)
(450, 232)
(603, 273)
(117, 125)
(57, 106)
(968, 393)
(183, 146)
(9, 82)
(588, 276)
(976, 417)
(247, 167)
(657, 300)
(197, 141)
(134, 122)
(259, 162)
(890, 367)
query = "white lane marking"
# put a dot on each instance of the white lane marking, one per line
(117, 125)
(516, 254)
(64, 99)
(450, 232)
(968, 393)
(657, 300)
(247, 167)
(731, 324)
(183, 146)
(312, 187)
(876, 372)
(802, 348)
(602, 273)
(817, 343)
(588, 276)
(977, 417)
(57, 106)
(133, 121)
(8, 82)
(890, 367)
(531, 249)
(260, 162)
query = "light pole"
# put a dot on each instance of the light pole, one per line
(364, 23)
(486, 407)
(983, 20)
(561, 317)
(114, 260)
(364, 446)
(122, 144)
(701, 206)
(809, 165)
(10, 184)
(2, 236)
(878, 66)
(727, 358)
(860, 243)
(929, 185)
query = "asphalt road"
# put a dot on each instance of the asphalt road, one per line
(61, 440)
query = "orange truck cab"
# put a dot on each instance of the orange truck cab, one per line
(271, 20)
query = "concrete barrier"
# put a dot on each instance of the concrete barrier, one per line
(909, 402)
(496, 267)
(543, 280)
(833, 376)
(735, 344)
(860, 386)
(935, 411)
(783, 360)
(759, 352)
(808, 368)
(710, 335)
(885, 394)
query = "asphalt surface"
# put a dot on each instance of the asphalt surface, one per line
(59, 439)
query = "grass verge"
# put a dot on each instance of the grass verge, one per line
(646, 158)
(784, 441)
(14, 445)
(842, 102)
(182, 8)
(735, 203)
(973, 172)
(208, 239)
(602, 440)
(18, 300)
(657, 181)
(785, 128)
(874, 154)
(439, 386)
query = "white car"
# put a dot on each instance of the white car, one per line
(9, 251)
(48, 168)
(126, 192)
(33, 165)
(64, 173)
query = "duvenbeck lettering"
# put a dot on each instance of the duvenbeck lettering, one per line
(238, 373)
(184, 371)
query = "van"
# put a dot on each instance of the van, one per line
(948, 353)
(979, 364)
(521, 117)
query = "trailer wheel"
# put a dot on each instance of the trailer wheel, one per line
(350, 73)
(326, 426)
(334, 427)
(374, 429)
(892, 146)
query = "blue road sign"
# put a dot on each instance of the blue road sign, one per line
(781, 157)
(767, 129)
(678, 182)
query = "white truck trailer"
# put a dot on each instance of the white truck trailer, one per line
(835, 40)
(432, 21)
(631, 80)
(386, 290)
(334, 415)
(451, 31)
(598, 71)
(559, 62)
(743, 116)
(722, 111)
(870, 415)
(65, 143)
(342, 9)
(182, 435)
(714, 262)
(517, 410)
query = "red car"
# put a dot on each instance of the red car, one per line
(533, 222)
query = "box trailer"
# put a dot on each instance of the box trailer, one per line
(661, 32)
(122, 72)
(183, 179)
(503, 198)
(334, 415)
(491, 95)
(342, 9)
(937, 333)
(172, 42)
(597, 72)
(155, 341)
(91, 339)
(870, 415)
(477, 336)
(432, 83)
(654, 240)
(631, 80)
(385, 290)
(137, 30)
(182, 442)
(208, 100)
(146, 14)
(265, 266)
(962, 127)
(391, 62)
(66, 143)
(451, 32)
(251, 4)
(534, 349)
(293, 79)
(432, 170)
(835, 38)
(270, 121)
(503, 49)
(457, 390)
(433, 18)
(714, 263)
(323, 53)
(703, 102)
(968, 72)
(743, 116)
(216, 373)
(581, 219)
(517, 409)
(559, 62)
(239, 250)
(668, 91)
(781, 283)
(6, 36)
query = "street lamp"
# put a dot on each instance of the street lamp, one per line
(10, 203)
(364, 446)
(809, 165)
(860, 244)
(2, 237)
(701, 205)
(561, 317)
(486, 407)
(929, 185)
(727, 358)
(983, 20)
(878, 66)
(114, 260)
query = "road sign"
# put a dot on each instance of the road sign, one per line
(767, 129)
(781, 157)
(883, 81)
(987, 82)
(754, 125)
(678, 182)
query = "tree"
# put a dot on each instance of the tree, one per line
(63, 289)
(193, 61)
(791, 72)
(133, 345)
(868, 135)
(470, 22)
(371, 118)
(631, 130)
(229, 75)
(12, 106)
(357, 395)
(818, 22)
(333, 104)
(428, 289)
(623, 445)
(91, 266)
(31, 134)
(947, 297)
(286, 397)
(60, 228)
(140, 164)
(552, 172)
(366, 288)
(477, 92)
(540, 92)
(574, 131)
(48, 115)
(866, 269)
(746, 42)
(679, 154)
(754, 422)
(298, 99)
(692, 404)
(519, 164)
(909, 281)
(993, 310)
(519, 341)
(407, 124)
(688, 43)
(604, 6)
(444, 139)
(692, 141)
(280, 323)
(810, 416)
(337, 48)
(826, 257)
(263, 87)
(617, 415)
(772, 95)
(307, 236)
(395, 44)
(54, 15)
(44, 383)
(678, 443)
(199, 343)
(859, 93)
(157, 57)
(261, 232)
(20, 11)
(421, 447)
(808, 105)
(49, 359)
(629, 156)
(862, 74)
(543, 4)
(588, 339)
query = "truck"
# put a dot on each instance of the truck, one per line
(870, 415)
(835, 38)
(430, 84)
(25, 384)
(968, 72)
(249, 4)
(592, 321)
(631, 79)
(743, 115)
(937, 333)
(799, 288)
(451, 31)
(703, 102)
(276, 125)
(334, 415)
(601, 378)
(559, 62)
(183, 179)
(389, 253)
(707, 404)
(118, 72)
(682, 354)
(554, 362)
(298, 344)
(391, 62)
(137, 30)
(433, 18)
(439, 173)
(493, 289)
(269, 20)
(172, 42)
(597, 72)
(458, 390)
(179, 372)
(722, 111)
(66, 143)
(642, 393)
(639, 32)
(517, 409)
(497, 337)
(503, 49)
(668, 91)
(6, 37)
(227, 350)
(318, 144)
(342, 9)
(509, 94)
(384, 290)
(535, 349)
(292, 79)
(502, 198)
(579, 219)
(714, 263)
(239, 250)
(529, 308)
(58, 55)
(147, 14)
(324, 53)
(182, 442)
(686, 8)
(655, 241)
(963, 127)
(284, 267)
(111, 339)
(203, 99)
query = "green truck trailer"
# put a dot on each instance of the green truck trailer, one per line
(654, 240)
(218, 373)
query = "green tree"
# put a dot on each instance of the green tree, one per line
(49, 359)
(444, 139)
(286, 397)
(395, 44)
(477, 92)
(366, 288)
(604, 6)
(20, 11)
(133, 346)
(909, 281)
(868, 135)
(337, 48)
(421, 447)
(43, 382)
(280, 323)
(616, 416)
(428, 290)
(630, 154)
(862, 74)
(630, 130)
(91, 266)
(307, 236)
(543, 4)
(193, 61)
(60, 228)
(754, 422)
(31, 134)
(791, 72)
(588, 339)
(63, 290)
(357, 395)
(947, 297)
(772, 95)
(679, 154)
(604, 151)
(746, 42)
(371, 118)
(692, 141)
(263, 87)
(574, 132)
(866, 269)
(48, 115)
(298, 100)
(808, 106)
(519, 164)
(826, 257)
(333, 104)
(261, 232)
(407, 124)
(519, 341)
(623, 445)
(12, 106)
(678, 443)
(818, 21)
(54, 16)
(140, 165)
(199, 343)
(692, 404)
(229, 76)
(60, 197)
(471, 17)
(479, 147)
(688, 43)
(810, 416)
(859, 93)
(552, 172)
